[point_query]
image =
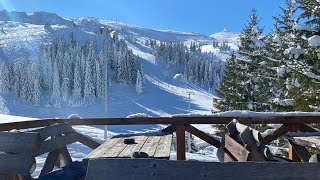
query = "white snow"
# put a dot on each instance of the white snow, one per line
(314, 41)
(139, 115)
(3, 107)
(295, 52)
(301, 27)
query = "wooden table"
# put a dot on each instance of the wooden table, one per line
(155, 146)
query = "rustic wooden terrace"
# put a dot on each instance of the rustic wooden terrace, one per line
(233, 151)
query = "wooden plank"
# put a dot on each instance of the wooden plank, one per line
(298, 153)
(83, 139)
(65, 155)
(151, 145)
(162, 120)
(142, 169)
(251, 144)
(106, 146)
(204, 136)
(131, 148)
(236, 150)
(56, 143)
(311, 141)
(50, 162)
(115, 150)
(164, 147)
(181, 143)
(277, 133)
(54, 130)
(256, 134)
(19, 142)
(16, 163)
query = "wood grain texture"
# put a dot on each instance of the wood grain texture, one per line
(142, 169)
(19, 142)
(54, 130)
(251, 144)
(97, 153)
(161, 120)
(181, 142)
(164, 147)
(16, 163)
(131, 148)
(236, 149)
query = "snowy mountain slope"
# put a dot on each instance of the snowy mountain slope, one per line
(21, 35)
(232, 38)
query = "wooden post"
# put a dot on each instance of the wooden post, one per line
(293, 155)
(181, 144)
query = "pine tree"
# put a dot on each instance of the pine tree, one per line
(56, 87)
(140, 82)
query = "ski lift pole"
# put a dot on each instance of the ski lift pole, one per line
(106, 98)
(189, 110)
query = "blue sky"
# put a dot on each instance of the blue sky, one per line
(203, 16)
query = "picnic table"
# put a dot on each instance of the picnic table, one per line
(155, 146)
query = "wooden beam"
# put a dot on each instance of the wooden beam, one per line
(161, 120)
(19, 142)
(204, 136)
(277, 133)
(181, 143)
(122, 169)
(297, 150)
(65, 155)
(293, 155)
(50, 162)
(91, 143)
(16, 163)
(56, 143)
(236, 149)
(53, 130)
(170, 129)
(251, 144)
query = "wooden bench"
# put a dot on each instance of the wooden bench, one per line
(157, 146)
(151, 169)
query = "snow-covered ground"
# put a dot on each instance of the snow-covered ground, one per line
(164, 94)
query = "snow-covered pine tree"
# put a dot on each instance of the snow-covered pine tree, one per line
(36, 89)
(89, 90)
(5, 85)
(140, 82)
(77, 81)
(280, 40)
(231, 86)
(56, 87)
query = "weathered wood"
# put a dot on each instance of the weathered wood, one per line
(83, 139)
(251, 144)
(236, 149)
(50, 162)
(164, 147)
(19, 142)
(150, 145)
(263, 149)
(297, 150)
(315, 158)
(131, 148)
(161, 120)
(56, 143)
(97, 153)
(306, 128)
(256, 134)
(16, 163)
(65, 155)
(181, 143)
(115, 150)
(293, 154)
(53, 130)
(233, 132)
(277, 133)
(4, 176)
(142, 169)
(204, 136)
(311, 141)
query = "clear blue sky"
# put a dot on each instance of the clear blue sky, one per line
(203, 16)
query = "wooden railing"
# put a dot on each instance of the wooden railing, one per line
(181, 124)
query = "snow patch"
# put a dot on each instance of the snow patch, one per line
(314, 41)
(139, 115)
(301, 27)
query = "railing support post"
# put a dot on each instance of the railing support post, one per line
(181, 143)
(293, 155)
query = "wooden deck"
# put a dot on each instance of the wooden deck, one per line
(155, 146)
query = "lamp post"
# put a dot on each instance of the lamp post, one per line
(106, 97)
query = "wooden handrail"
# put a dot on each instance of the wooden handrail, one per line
(160, 120)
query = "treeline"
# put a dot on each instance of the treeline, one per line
(278, 71)
(198, 67)
(70, 69)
